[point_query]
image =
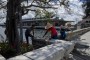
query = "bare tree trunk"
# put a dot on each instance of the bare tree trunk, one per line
(13, 9)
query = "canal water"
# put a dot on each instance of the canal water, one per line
(38, 34)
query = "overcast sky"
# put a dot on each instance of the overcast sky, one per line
(76, 14)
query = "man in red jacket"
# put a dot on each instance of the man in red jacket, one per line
(51, 29)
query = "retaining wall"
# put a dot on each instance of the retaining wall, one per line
(55, 51)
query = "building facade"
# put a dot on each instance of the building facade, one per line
(43, 21)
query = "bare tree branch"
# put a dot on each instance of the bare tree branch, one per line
(40, 6)
(2, 4)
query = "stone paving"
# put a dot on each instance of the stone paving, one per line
(83, 39)
(86, 38)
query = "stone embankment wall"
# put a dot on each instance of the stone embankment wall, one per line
(55, 51)
(74, 34)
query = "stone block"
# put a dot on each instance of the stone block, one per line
(47, 53)
(20, 57)
(67, 45)
(2, 58)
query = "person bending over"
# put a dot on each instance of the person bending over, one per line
(52, 30)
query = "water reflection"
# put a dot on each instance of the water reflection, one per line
(38, 33)
(2, 35)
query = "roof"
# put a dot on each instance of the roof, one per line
(43, 19)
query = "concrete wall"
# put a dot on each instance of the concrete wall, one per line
(55, 51)
(2, 58)
(74, 34)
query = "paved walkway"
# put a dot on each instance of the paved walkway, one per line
(86, 38)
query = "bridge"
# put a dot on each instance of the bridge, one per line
(59, 49)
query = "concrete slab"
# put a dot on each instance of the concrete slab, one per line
(47, 53)
(86, 38)
(2, 58)
(67, 45)
(20, 57)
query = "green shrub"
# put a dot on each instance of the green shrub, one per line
(7, 51)
(25, 48)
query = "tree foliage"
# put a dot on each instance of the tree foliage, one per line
(42, 4)
(87, 10)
